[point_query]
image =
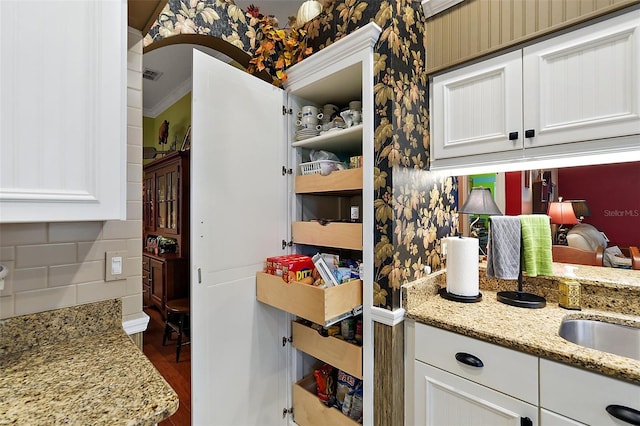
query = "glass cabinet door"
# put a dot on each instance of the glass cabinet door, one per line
(148, 210)
(167, 200)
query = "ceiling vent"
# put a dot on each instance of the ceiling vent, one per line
(150, 74)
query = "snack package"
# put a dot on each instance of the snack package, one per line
(324, 383)
(345, 384)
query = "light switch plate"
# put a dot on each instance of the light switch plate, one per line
(114, 265)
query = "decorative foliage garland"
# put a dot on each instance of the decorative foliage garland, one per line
(279, 47)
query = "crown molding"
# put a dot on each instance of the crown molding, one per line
(433, 7)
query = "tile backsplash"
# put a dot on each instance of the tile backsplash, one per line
(55, 265)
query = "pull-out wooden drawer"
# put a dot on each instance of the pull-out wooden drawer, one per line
(338, 181)
(505, 370)
(334, 234)
(319, 305)
(336, 352)
(308, 410)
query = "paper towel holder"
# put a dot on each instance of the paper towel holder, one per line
(456, 298)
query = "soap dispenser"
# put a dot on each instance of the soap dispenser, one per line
(569, 290)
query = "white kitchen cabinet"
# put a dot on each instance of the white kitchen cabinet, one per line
(580, 90)
(549, 418)
(62, 110)
(587, 397)
(249, 202)
(460, 380)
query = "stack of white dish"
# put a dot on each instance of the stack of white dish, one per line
(307, 123)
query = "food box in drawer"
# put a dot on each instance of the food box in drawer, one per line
(308, 410)
(319, 305)
(340, 354)
(333, 234)
(341, 180)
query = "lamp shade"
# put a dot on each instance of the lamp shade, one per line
(308, 10)
(480, 201)
(561, 213)
(580, 208)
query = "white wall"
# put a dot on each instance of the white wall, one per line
(54, 265)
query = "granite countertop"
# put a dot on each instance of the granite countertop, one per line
(535, 331)
(77, 366)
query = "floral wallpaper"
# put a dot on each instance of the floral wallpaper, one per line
(413, 207)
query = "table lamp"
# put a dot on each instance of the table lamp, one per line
(561, 213)
(480, 202)
(580, 208)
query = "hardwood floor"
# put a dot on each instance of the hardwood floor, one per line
(178, 375)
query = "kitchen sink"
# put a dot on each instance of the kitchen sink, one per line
(604, 336)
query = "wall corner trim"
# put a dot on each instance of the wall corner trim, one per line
(136, 325)
(387, 317)
(433, 7)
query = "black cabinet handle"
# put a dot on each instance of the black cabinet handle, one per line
(513, 136)
(469, 359)
(529, 133)
(526, 421)
(625, 414)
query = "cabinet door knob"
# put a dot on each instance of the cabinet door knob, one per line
(529, 133)
(526, 421)
(625, 414)
(513, 136)
(469, 359)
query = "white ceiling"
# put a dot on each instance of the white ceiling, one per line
(174, 61)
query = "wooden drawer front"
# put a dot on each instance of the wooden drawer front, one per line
(308, 410)
(582, 395)
(146, 263)
(342, 180)
(504, 370)
(335, 234)
(336, 352)
(312, 303)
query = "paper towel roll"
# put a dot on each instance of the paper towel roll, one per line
(462, 266)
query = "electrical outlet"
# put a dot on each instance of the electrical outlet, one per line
(114, 265)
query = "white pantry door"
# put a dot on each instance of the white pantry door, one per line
(238, 218)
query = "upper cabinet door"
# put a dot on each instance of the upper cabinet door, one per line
(62, 110)
(584, 85)
(478, 109)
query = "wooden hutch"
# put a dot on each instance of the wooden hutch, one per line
(165, 214)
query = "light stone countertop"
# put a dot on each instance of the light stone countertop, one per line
(535, 331)
(77, 366)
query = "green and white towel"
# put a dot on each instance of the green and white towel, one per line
(536, 245)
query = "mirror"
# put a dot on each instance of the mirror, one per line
(611, 192)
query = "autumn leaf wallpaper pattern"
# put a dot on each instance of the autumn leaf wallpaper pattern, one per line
(413, 207)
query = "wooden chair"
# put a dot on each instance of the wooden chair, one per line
(634, 253)
(178, 322)
(567, 254)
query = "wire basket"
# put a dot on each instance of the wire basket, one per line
(319, 167)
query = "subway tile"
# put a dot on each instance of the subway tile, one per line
(7, 253)
(133, 266)
(134, 285)
(117, 229)
(6, 307)
(29, 279)
(29, 302)
(134, 98)
(134, 247)
(134, 173)
(134, 191)
(45, 255)
(131, 304)
(134, 116)
(12, 234)
(134, 154)
(94, 291)
(134, 137)
(134, 210)
(77, 273)
(74, 231)
(96, 250)
(134, 79)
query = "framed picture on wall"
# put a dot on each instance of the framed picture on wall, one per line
(186, 142)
